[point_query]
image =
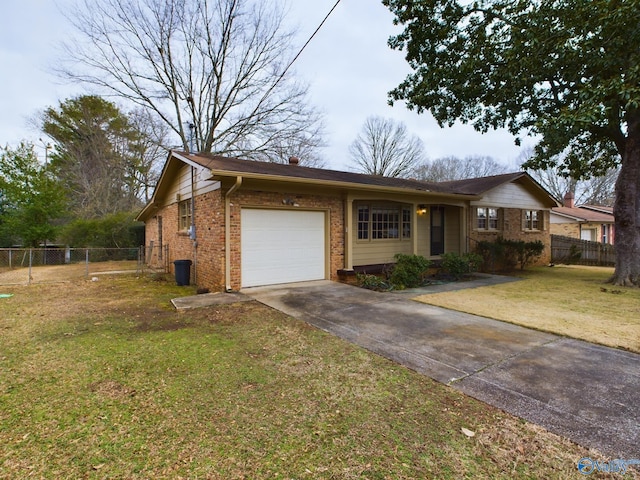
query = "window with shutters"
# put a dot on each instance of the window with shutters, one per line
(532, 220)
(487, 218)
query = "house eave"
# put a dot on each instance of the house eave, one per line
(146, 212)
(581, 219)
(220, 175)
(571, 217)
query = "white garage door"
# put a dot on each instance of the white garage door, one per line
(282, 246)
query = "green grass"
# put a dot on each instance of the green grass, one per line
(574, 301)
(105, 380)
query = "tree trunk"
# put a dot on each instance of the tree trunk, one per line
(627, 209)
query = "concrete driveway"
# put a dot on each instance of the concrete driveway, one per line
(585, 392)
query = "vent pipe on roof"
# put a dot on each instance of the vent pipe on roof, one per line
(294, 160)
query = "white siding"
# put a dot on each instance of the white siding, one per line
(560, 219)
(181, 185)
(510, 195)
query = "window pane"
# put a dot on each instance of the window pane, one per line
(406, 223)
(493, 218)
(534, 220)
(184, 214)
(385, 223)
(482, 218)
(363, 223)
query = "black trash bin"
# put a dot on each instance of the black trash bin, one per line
(183, 272)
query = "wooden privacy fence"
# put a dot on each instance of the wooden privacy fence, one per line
(581, 252)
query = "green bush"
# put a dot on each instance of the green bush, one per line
(372, 282)
(457, 266)
(119, 230)
(528, 252)
(507, 254)
(491, 253)
(409, 271)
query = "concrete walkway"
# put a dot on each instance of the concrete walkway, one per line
(585, 392)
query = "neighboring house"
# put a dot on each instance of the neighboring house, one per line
(586, 222)
(244, 223)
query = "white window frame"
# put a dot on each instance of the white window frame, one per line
(184, 215)
(533, 220)
(377, 222)
(490, 217)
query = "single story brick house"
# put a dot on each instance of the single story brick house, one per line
(586, 222)
(244, 223)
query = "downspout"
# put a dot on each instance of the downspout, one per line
(227, 233)
(192, 231)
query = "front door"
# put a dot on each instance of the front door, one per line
(437, 230)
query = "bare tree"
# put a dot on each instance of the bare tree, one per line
(212, 71)
(453, 168)
(384, 147)
(594, 191)
(149, 151)
(303, 147)
(598, 190)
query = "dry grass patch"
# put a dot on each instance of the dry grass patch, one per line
(573, 301)
(105, 380)
(71, 272)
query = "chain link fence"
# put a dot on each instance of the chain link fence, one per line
(26, 266)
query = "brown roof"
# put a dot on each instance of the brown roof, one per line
(477, 186)
(599, 208)
(584, 214)
(472, 186)
(227, 166)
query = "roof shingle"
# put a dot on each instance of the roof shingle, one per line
(584, 214)
(473, 186)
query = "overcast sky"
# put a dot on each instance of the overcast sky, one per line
(348, 66)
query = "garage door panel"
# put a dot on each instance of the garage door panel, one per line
(281, 246)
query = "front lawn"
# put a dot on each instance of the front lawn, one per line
(105, 380)
(569, 300)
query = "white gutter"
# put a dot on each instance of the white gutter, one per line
(227, 233)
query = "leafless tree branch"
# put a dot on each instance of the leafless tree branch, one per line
(384, 147)
(211, 68)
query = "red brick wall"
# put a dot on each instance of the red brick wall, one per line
(333, 205)
(209, 215)
(512, 230)
(208, 255)
(566, 229)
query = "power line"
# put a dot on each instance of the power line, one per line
(308, 41)
(295, 58)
